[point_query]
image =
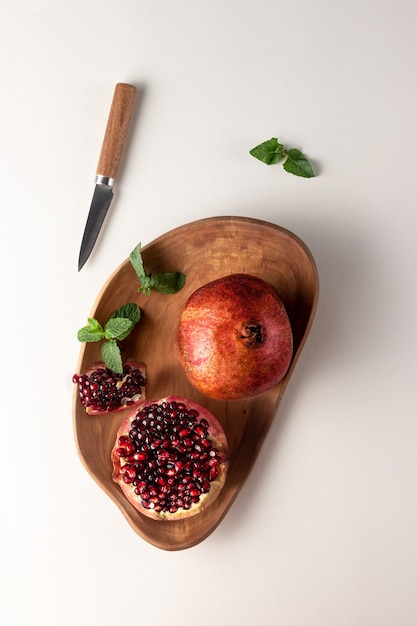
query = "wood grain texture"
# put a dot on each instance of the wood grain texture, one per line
(116, 130)
(202, 250)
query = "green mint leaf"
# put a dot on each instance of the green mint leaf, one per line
(269, 152)
(136, 261)
(118, 328)
(137, 264)
(165, 282)
(296, 163)
(92, 332)
(130, 311)
(168, 282)
(111, 356)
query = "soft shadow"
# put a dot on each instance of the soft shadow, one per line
(347, 268)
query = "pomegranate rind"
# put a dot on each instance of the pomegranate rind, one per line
(215, 359)
(127, 402)
(217, 437)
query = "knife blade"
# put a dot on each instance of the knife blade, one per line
(108, 165)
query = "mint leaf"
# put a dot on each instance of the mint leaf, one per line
(165, 282)
(269, 152)
(130, 311)
(169, 282)
(110, 353)
(296, 163)
(118, 328)
(136, 260)
(137, 264)
(92, 332)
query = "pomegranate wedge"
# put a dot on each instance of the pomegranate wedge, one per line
(103, 391)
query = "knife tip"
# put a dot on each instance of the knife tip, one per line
(83, 256)
(81, 263)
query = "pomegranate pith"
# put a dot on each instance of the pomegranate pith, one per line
(170, 458)
(101, 390)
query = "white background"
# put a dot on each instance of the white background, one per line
(324, 531)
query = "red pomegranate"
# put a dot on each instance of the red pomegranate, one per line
(234, 337)
(170, 458)
(103, 391)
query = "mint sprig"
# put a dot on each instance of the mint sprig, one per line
(165, 282)
(293, 160)
(117, 328)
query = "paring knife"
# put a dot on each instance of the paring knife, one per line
(108, 165)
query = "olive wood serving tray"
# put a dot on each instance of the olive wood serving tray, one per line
(203, 250)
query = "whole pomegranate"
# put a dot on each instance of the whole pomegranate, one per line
(234, 337)
(170, 458)
(103, 391)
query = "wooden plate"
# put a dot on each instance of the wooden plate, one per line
(202, 250)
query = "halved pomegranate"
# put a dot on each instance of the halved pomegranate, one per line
(170, 458)
(103, 391)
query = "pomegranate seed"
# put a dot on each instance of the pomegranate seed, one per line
(129, 474)
(213, 473)
(129, 448)
(136, 457)
(205, 487)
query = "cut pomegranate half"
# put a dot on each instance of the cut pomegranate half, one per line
(103, 391)
(170, 458)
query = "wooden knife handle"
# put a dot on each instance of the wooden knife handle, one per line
(116, 130)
